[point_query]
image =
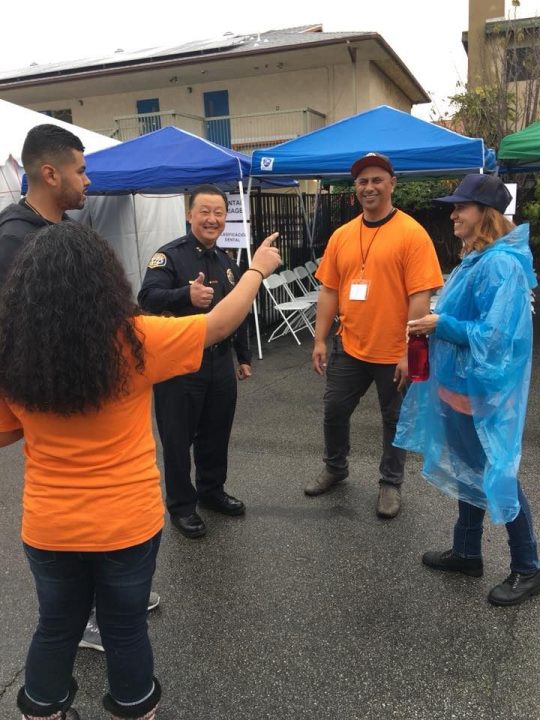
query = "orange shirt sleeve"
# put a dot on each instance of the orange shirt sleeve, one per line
(327, 272)
(8, 421)
(174, 345)
(422, 270)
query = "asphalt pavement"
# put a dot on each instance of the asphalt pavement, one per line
(310, 608)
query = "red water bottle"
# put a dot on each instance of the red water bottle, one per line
(418, 357)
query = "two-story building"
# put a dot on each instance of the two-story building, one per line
(241, 91)
(504, 53)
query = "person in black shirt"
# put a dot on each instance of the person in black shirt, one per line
(55, 168)
(187, 276)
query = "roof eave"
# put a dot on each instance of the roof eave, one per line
(137, 66)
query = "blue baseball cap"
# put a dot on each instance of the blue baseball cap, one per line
(482, 189)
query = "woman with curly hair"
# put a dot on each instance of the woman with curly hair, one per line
(77, 365)
(467, 420)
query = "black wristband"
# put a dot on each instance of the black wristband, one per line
(255, 270)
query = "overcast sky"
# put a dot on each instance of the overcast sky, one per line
(426, 34)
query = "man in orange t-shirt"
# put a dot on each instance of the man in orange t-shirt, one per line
(378, 272)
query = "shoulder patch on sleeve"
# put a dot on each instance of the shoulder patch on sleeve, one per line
(158, 259)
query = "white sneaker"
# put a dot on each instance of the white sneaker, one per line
(91, 637)
(153, 601)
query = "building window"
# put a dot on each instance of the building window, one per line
(522, 63)
(64, 114)
(152, 121)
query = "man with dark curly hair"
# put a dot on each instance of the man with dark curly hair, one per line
(56, 172)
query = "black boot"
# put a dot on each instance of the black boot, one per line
(58, 711)
(515, 589)
(447, 560)
(145, 710)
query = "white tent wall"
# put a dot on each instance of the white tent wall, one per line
(160, 219)
(135, 226)
(10, 182)
(16, 121)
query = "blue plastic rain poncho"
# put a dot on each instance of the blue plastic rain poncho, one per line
(467, 419)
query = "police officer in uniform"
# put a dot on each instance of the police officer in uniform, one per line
(187, 276)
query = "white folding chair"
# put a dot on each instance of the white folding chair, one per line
(293, 284)
(311, 267)
(293, 312)
(295, 290)
(304, 283)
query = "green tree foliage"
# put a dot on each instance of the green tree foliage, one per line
(506, 96)
(413, 195)
(486, 112)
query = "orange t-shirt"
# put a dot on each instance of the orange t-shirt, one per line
(399, 260)
(91, 481)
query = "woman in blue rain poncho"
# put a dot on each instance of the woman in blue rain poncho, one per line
(467, 419)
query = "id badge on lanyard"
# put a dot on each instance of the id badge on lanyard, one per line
(359, 289)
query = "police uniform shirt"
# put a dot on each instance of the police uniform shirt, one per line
(172, 270)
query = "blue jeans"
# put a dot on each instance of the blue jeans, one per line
(468, 535)
(66, 583)
(347, 380)
(463, 439)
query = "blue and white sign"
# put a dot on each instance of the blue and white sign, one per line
(234, 234)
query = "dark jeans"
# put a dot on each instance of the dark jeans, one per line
(463, 440)
(196, 409)
(66, 583)
(347, 380)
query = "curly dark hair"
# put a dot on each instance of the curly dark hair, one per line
(67, 338)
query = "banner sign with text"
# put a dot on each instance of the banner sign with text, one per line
(233, 236)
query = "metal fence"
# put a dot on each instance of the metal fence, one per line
(128, 127)
(259, 130)
(241, 132)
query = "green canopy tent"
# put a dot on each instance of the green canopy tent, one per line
(520, 152)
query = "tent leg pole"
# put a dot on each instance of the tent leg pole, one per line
(137, 238)
(306, 222)
(247, 236)
(314, 219)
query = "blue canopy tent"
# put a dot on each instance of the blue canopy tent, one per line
(413, 145)
(164, 161)
(171, 160)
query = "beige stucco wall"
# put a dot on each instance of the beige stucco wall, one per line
(307, 88)
(382, 91)
(479, 12)
(336, 91)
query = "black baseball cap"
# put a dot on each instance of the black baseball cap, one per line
(372, 159)
(482, 189)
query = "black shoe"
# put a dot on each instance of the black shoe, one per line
(192, 526)
(453, 563)
(225, 504)
(515, 589)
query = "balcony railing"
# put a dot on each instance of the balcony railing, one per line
(241, 132)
